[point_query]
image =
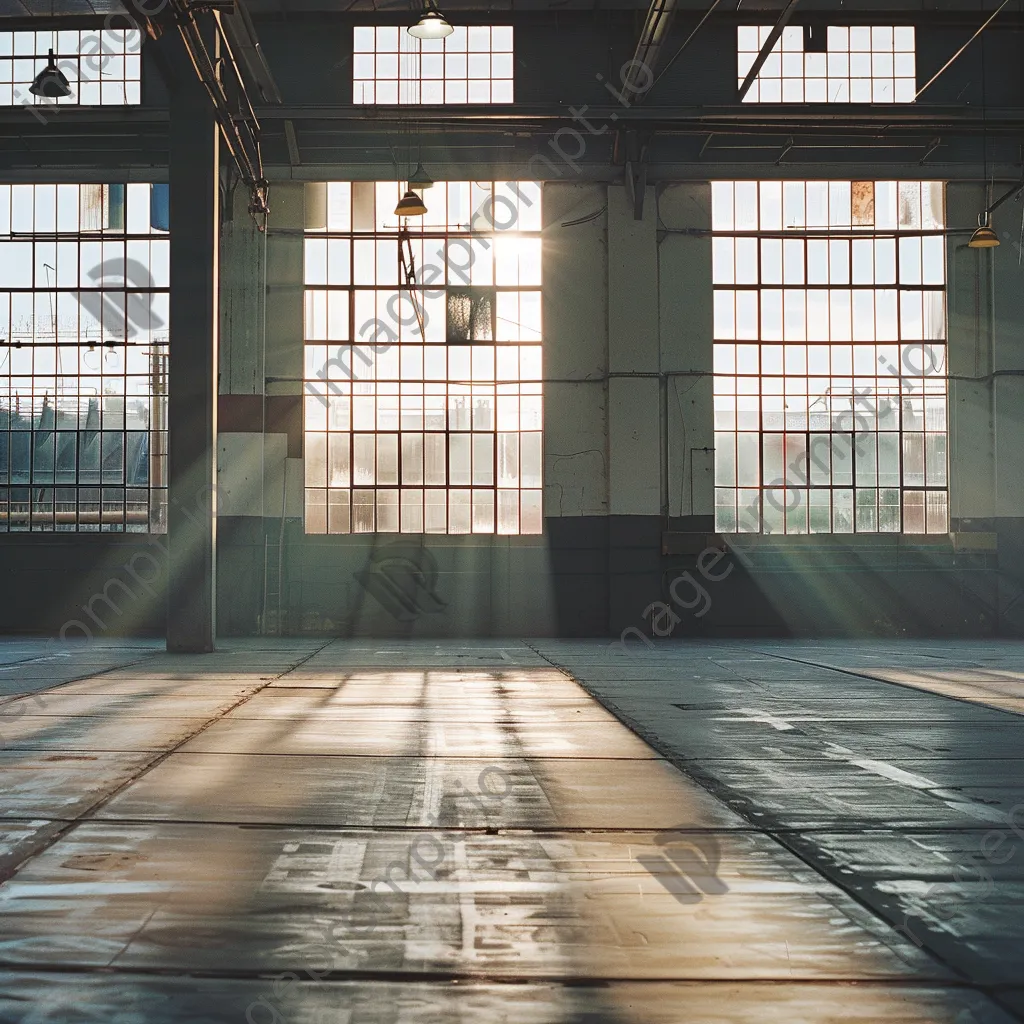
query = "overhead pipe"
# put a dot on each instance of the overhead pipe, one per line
(246, 155)
(645, 58)
(242, 33)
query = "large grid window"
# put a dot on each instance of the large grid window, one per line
(859, 64)
(84, 300)
(472, 65)
(830, 357)
(103, 66)
(423, 403)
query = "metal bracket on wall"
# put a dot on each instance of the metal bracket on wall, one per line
(636, 187)
(636, 172)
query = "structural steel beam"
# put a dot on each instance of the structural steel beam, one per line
(210, 52)
(292, 142)
(638, 81)
(766, 50)
(538, 119)
(1007, 196)
(242, 36)
(956, 56)
(686, 42)
(648, 47)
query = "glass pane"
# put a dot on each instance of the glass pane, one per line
(387, 511)
(339, 470)
(459, 511)
(508, 511)
(412, 510)
(362, 511)
(459, 459)
(913, 512)
(316, 511)
(435, 463)
(483, 459)
(387, 459)
(531, 513)
(530, 454)
(483, 511)
(340, 513)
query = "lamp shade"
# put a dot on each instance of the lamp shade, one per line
(410, 205)
(984, 237)
(420, 179)
(432, 23)
(51, 82)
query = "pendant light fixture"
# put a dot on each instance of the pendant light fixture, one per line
(984, 237)
(432, 24)
(51, 82)
(410, 205)
(420, 179)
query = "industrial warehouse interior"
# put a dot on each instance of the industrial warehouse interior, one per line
(511, 511)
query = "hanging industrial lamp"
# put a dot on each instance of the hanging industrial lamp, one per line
(51, 82)
(432, 24)
(984, 237)
(410, 205)
(420, 179)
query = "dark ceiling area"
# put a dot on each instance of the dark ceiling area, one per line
(286, 8)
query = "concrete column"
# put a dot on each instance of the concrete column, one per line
(576, 348)
(687, 346)
(972, 424)
(633, 402)
(634, 411)
(192, 407)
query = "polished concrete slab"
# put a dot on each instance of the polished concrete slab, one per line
(388, 737)
(111, 732)
(554, 905)
(91, 999)
(409, 791)
(115, 705)
(38, 663)
(895, 769)
(407, 832)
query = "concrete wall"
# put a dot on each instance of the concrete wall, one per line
(629, 497)
(628, 399)
(628, 465)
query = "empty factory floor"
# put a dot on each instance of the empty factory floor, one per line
(542, 832)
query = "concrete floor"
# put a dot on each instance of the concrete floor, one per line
(405, 833)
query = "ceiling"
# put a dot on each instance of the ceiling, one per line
(46, 8)
(730, 6)
(286, 7)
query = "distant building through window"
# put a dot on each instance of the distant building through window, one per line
(472, 65)
(830, 357)
(423, 408)
(84, 309)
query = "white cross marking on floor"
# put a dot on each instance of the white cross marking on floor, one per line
(765, 717)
